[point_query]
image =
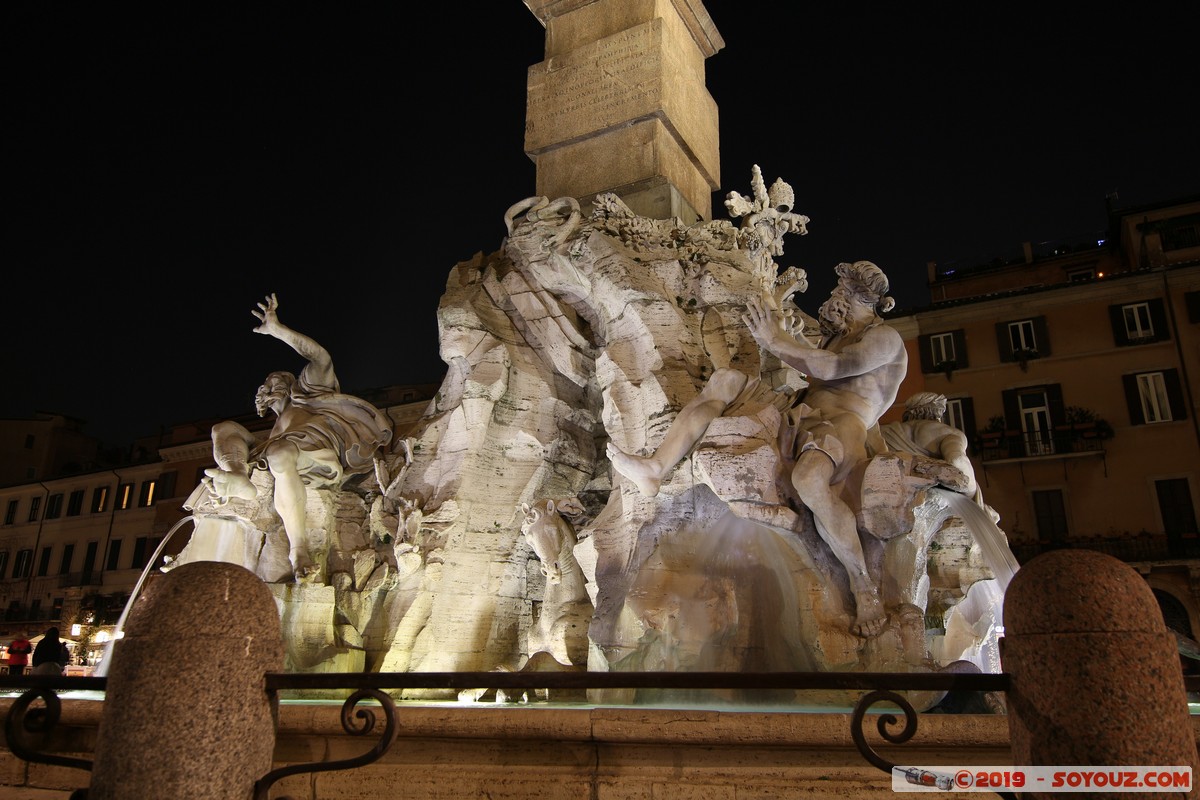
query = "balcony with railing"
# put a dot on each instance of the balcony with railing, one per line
(1069, 441)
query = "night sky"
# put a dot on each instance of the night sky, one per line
(170, 164)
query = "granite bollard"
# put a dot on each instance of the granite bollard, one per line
(186, 713)
(1096, 678)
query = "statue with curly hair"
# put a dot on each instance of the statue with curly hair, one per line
(853, 374)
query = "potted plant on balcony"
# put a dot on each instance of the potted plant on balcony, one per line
(991, 439)
(1087, 428)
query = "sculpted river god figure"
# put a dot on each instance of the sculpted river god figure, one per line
(320, 437)
(853, 375)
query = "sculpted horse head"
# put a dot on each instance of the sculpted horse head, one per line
(551, 537)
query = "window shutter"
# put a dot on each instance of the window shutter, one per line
(923, 344)
(1012, 411)
(1175, 394)
(1042, 336)
(1133, 399)
(1054, 399)
(1004, 343)
(960, 349)
(1116, 316)
(1158, 318)
(1192, 300)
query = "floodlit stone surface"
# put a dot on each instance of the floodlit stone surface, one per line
(595, 327)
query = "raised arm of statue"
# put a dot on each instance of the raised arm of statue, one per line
(320, 364)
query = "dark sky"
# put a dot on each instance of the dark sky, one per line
(170, 164)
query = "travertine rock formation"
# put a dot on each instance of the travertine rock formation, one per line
(580, 330)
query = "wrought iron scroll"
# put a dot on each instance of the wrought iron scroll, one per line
(358, 722)
(884, 725)
(26, 729)
(885, 722)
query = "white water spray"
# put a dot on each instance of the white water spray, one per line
(102, 668)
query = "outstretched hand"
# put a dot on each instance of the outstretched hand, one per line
(765, 324)
(268, 315)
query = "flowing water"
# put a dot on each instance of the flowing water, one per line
(102, 668)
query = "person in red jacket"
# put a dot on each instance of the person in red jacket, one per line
(18, 655)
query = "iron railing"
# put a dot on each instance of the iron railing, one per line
(27, 729)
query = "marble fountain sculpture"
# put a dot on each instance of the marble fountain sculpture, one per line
(644, 456)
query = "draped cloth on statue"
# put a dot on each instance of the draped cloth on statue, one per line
(337, 434)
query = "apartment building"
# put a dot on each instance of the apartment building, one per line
(1074, 371)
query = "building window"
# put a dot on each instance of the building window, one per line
(35, 507)
(114, 553)
(166, 485)
(29, 441)
(1050, 512)
(1081, 275)
(1023, 339)
(960, 413)
(75, 503)
(1020, 336)
(23, 563)
(1139, 323)
(1039, 409)
(943, 351)
(3, 563)
(124, 496)
(89, 563)
(1034, 410)
(942, 347)
(54, 506)
(146, 497)
(141, 547)
(44, 563)
(1154, 397)
(1152, 391)
(68, 555)
(56, 611)
(10, 514)
(99, 499)
(1180, 233)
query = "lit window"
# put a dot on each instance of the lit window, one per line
(1152, 389)
(1020, 336)
(146, 498)
(23, 564)
(1137, 321)
(941, 346)
(956, 414)
(124, 496)
(99, 499)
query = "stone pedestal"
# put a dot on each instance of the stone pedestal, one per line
(1096, 677)
(619, 105)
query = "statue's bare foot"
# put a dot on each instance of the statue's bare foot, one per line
(870, 619)
(231, 484)
(642, 471)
